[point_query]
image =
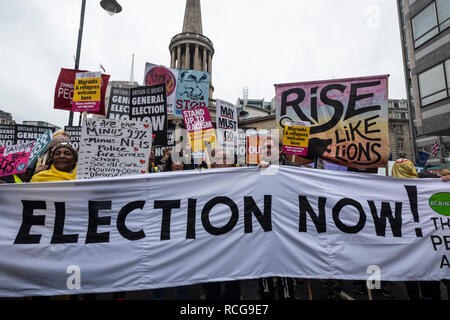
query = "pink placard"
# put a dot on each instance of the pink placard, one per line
(198, 119)
(300, 151)
(14, 159)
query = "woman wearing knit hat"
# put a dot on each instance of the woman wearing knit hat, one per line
(63, 166)
(58, 137)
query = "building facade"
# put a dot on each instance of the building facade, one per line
(400, 140)
(425, 36)
(6, 118)
(41, 124)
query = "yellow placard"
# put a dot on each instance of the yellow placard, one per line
(296, 136)
(87, 89)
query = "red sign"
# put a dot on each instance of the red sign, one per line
(65, 86)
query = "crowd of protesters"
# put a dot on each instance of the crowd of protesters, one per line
(60, 162)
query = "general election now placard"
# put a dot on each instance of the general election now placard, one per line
(75, 135)
(29, 133)
(179, 228)
(149, 104)
(119, 104)
(7, 135)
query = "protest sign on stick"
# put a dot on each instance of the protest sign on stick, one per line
(349, 118)
(155, 74)
(149, 104)
(40, 146)
(241, 147)
(75, 135)
(227, 124)
(255, 141)
(7, 135)
(119, 104)
(14, 159)
(296, 138)
(64, 90)
(29, 133)
(87, 92)
(111, 148)
(192, 90)
(200, 129)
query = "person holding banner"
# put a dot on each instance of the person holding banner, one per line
(63, 164)
(268, 146)
(445, 174)
(223, 159)
(286, 286)
(18, 178)
(181, 293)
(404, 168)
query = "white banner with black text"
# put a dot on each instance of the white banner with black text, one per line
(180, 228)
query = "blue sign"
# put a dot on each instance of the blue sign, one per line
(422, 158)
(192, 90)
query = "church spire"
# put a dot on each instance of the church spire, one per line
(193, 17)
(190, 49)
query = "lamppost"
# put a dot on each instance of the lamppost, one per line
(112, 7)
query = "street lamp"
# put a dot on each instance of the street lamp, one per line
(112, 7)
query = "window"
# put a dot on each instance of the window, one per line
(396, 115)
(425, 25)
(400, 143)
(432, 85)
(443, 9)
(397, 129)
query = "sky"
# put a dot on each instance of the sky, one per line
(258, 43)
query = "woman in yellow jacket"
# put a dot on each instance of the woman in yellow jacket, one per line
(63, 166)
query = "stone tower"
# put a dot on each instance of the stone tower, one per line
(190, 49)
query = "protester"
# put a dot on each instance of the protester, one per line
(286, 286)
(58, 137)
(431, 289)
(18, 178)
(232, 289)
(445, 174)
(63, 164)
(182, 292)
(268, 146)
(404, 168)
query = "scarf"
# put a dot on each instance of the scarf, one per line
(404, 168)
(54, 174)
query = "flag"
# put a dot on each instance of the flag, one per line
(435, 149)
(422, 158)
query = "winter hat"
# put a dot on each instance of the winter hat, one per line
(68, 146)
(58, 137)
